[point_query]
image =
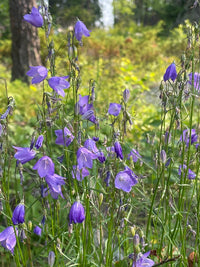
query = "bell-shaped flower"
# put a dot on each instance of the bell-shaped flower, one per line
(35, 18)
(64, 137)
(190, 175)
(39, 141)
(77, 213)
(24, 154)
(196, 80)
(80, 30)
(54, 182)
(170, 73)
(114, 109)
(79, 174)
(8, 238)
(185, 137)
(134, 154)
(142, 261)
(85, 158)
(37, 230)
(125, 180)
(18, 214)
(39, 73)
(58, 84)
(118, 150)
(44, 166)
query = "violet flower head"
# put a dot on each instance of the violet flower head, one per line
(85, 109)
(64, 137)
(44, 166)
(101, 156)
(79, 174)
(54, 182)
(39, 73)
(37, 230)
(126, 95)
(85, 158)
(24, 154)
(8, 238)
(144, 261)
(59, 84)
(118, 150)
(18, 214)
(35, 18)
(90, 144)
(170, 73)
(80, 29)
(185, 137)
(196, 80)
(77, 213)
(124, 180)
(39, 141)
(114, 109)
(191, 175)
(134, 154)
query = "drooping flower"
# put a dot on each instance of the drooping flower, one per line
(196, 80)
(134, 154)
(39, 73)
(114, 109)
(35, 18)
(101, 156)
(80, 30)
(44, 166)
(118, 150)
(8, 238)
(77, 213)
(18, 214)
(37, 230)
(64, 137)
(54, 182)
(125, 180)
(24, 154)
(39, 141)
(84, 108)
(191, 175)
(126, 95)
(59, 84)
(185, 137)
(79, 174)
(90, 144)
(85, 158)
(170, 73)
(144, 261)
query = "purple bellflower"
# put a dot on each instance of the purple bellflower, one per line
(196, 80)
(35, 18)
(54, 182)
(39, 73)
(39, 141)
(59, 84)
(64, 137)
(8, 238)
(170, 73)
(191, 174)
(90, 144)
(85, 109)
(44, 166)
(144, 261)
(80, 30)
(114, 109)
(24, 154)
(185, 137)
(118, 150)
(125, 180)
(77, 213)
(134, 154)
(37, 230)
(79, 174)
(126, 95)
(18, 214)
(101, 156)
(85, 158)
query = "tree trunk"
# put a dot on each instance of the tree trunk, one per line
(25, 41)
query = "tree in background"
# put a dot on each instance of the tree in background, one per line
(25, 41)
(65, 12)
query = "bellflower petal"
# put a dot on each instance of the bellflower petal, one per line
(118, 150)
(85, 158)
(59, 84)
(77, 213)
(170, 73)
(37, 230)
(114, 109)
(64, 137)
(44, 166)
(39, 73)
(8, 239)
(79, 174)
(80, 30)
(18, 214)
(35, 18)
(24, 154)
